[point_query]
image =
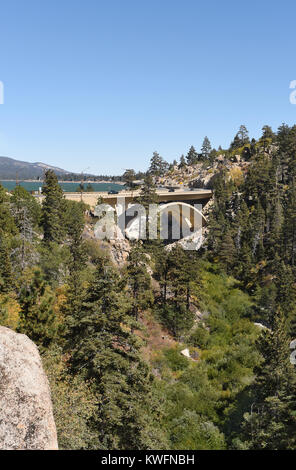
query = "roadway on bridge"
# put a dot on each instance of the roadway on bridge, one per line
(179, 195)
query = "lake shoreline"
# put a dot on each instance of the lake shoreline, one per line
(67, 181)
(67, 186)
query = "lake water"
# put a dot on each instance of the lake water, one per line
(67, 187)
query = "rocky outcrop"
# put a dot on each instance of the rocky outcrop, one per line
(191, 242)
(26, 417)
(119, 250)
(201, 175)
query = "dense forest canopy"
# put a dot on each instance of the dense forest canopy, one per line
(111, 336)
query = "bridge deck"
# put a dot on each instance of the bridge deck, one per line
(201, 195)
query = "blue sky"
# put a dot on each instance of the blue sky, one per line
(102, 84)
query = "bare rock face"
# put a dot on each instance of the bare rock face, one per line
(119, 250)
(26, 417)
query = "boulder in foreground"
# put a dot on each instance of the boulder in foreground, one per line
(26, 417)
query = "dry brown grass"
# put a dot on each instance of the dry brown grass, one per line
(155, 336)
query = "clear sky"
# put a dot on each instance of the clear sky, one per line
(103, 84)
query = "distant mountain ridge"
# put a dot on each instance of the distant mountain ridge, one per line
(12, 169)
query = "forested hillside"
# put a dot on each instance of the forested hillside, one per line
(111, 337)
(11, 169)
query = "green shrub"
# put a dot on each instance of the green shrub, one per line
(176, 361)
(199, 337)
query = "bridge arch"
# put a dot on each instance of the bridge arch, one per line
(182, 204)
(180, 220)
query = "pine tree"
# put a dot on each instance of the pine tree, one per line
(285, 288)
(6, 276)
(243, 135)
(216, 223)
(129, 176)
(105, 351)
(257, 182)
(241, 138)
(75, 226)
(289, 227)
(256, 233)
(139, 281)
(282, 140)
(292, 326)
(275, 219)
(26, 212)
(7, 223)
(267, 133)
(53, 209)
(267, 138)
(161, 272)
(38, 319)
(271, 421)
(218, 214)
(227, 251)
(206, 148)
(22, 201)
(236, 143)
(158, 166)
(192, 156)
(148, 193)
(176, 274)
(182, 163)
(241, 224)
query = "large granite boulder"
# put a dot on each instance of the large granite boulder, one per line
(26, 417)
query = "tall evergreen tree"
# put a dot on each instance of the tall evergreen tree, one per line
(243, 135)
(175, 274)
(241, 138)
(22, 201)
(206, 148)
(267, 138)
(182, 163)
(7, 223)
(38, 319)
(158, 166)
(26, 212)
(129, 176)
(139, 281)
(75, 226)
(105, 351)
(227, 251)
(53, 209)
(148, 193)
(289, 226)
(6, 276)
(271, 422)
(192, 156)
